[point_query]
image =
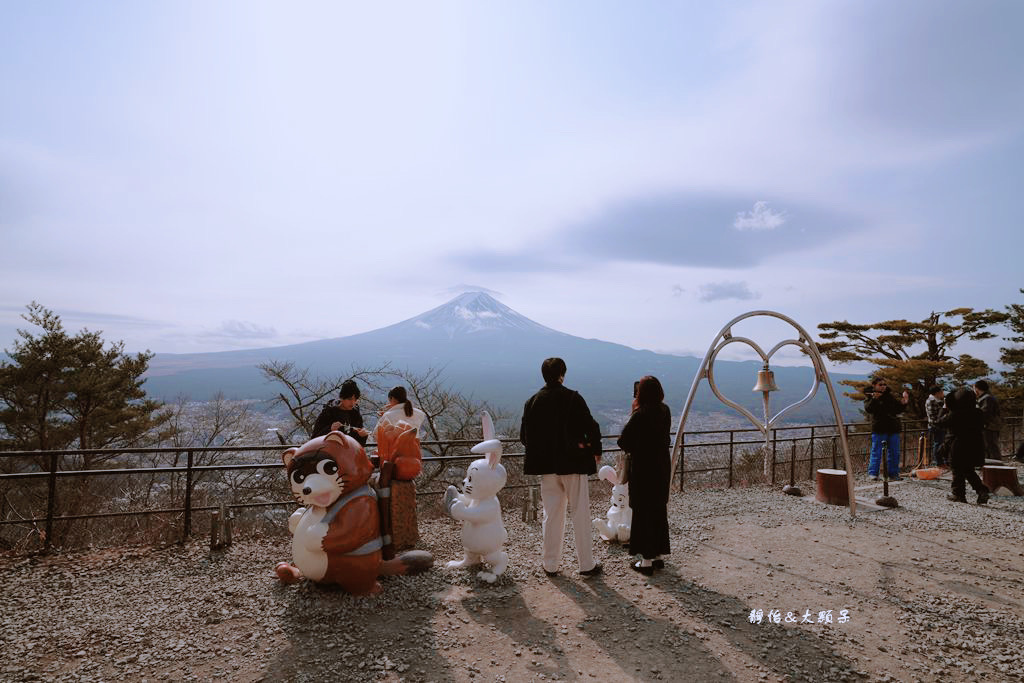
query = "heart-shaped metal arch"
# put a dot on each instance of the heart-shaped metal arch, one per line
(767, 423)
(805, 343)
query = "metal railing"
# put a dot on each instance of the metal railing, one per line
(31, 481)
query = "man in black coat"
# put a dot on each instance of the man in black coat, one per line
(966, 445)
(989, 407)
(563, 446)
(343, 416)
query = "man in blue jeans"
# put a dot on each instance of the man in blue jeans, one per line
(884, 409)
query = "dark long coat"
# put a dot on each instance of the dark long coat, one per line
(964, 424)
(646, 438)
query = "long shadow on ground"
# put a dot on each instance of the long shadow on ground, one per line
(326, 629)
(648, 647)
(793, 650)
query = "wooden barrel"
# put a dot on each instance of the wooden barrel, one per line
(1001, 476)
(831, 487)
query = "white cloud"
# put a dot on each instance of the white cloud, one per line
(760, 218)
(718, 291)
(462, 288)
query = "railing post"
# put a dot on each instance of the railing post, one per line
(775, 435)
(732, 436)
(187, 530)
(682, 461)
(792, 464)
(51, 501)
(810, 471)
(846, 428)
(834, 439)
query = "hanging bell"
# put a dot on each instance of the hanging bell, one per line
(765, 380)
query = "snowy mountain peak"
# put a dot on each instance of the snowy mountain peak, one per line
(472, 313)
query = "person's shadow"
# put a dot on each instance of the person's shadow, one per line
(327, 629)
(510, 614)
(790, 649)
(648, 647)
(657, 644)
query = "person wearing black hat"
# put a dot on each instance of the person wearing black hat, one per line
(343, 415)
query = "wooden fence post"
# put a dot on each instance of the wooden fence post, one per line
(214, 529)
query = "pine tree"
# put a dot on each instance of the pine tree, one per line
(1012, 386)
(34, 386)
(914, 355)
(61, 391)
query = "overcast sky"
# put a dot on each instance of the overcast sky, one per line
(196, 176)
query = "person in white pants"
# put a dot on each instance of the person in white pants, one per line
(563, 446)
(555, 491)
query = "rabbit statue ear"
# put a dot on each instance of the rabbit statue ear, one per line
(489, 446)
(494, 456)
(488, 425)
(607, 472)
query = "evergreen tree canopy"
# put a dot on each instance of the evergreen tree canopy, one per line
(1012, 386)
(915, 355)
(60, 391)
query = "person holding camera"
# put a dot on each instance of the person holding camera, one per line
(343, 415)
(884, 408)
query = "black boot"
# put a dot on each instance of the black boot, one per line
(958, 499)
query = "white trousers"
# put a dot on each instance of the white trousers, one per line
(555, 491)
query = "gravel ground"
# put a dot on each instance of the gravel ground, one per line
(932, 591)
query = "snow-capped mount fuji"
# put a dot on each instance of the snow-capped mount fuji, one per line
(484, 349)
(469, 314)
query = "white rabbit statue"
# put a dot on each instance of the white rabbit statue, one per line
(483, 532)
(620, 515)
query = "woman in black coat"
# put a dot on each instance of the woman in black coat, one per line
(966, 443)
(646, 438)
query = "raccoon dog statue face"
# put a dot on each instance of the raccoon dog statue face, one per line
(326, 468)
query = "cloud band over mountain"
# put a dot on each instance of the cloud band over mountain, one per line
(682, 229)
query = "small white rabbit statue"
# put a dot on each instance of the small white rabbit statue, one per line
(620, 515)
(483, 532)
